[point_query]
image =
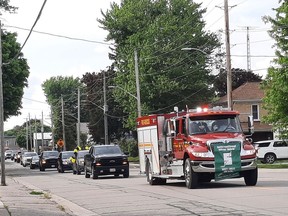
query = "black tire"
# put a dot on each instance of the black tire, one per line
(93, 172)
(191, 178)
(126, 174)
(251, 177)
(32, 167)
(270, 158)
(87, 175)
(152, 180)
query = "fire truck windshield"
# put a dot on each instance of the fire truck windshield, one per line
(214, 124)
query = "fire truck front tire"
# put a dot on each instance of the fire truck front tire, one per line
(251, 177)
(191, 178)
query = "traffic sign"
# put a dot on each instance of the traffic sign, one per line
(60, 142)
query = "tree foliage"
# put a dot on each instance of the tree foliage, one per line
(65, 87)
(15, 74)
(276, 83)
(20, 132)
(168, 76)
(239, 77)
(94, 104)
(5, 6)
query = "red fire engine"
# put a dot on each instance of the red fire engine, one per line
(197, 146)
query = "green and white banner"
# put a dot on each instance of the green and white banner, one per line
(227, 160)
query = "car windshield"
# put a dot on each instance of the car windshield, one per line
(214, 124)
(36, 157)
(29, 154)
(66, 155)
(50, 154)
(81, 154)
(107, 150)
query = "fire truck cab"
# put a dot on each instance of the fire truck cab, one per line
(196, 146)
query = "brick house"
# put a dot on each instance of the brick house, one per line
(247, 99)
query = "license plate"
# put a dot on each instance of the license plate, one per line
(112, 170)
(52, 165)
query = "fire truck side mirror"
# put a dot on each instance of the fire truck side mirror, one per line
(251, 124)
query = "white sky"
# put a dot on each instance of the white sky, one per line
(54, 56)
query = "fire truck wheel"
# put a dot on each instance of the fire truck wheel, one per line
(150, 178)
(191, 178)
(251, 177)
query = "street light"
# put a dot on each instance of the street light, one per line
(138, 100)
(229, 78)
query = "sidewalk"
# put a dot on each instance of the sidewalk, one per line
(16, 200)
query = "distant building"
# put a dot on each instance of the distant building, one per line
(10, 143)
(247, 99)
(37, 141)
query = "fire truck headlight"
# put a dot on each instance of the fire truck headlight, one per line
(249, 152)
(201, 154)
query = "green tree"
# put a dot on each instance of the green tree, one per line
(276, 83)
(94, 104)
(239, 77)
(20, 132)
(65, 87)
(168, 76)
(5, 6)
(15, 74)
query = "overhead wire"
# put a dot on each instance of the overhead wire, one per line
(30, 32)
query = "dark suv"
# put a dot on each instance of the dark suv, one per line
(64, 162)
(106, 160)
(48, 159)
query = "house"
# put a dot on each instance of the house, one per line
(247, 99)
(10, 143)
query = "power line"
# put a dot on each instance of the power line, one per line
(30, 32)
(60, 36)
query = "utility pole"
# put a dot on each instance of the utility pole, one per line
(248, 51)
(36, 140)
(27, 134)
(228, 57)
(105, 108)
(78, 123)
(42, 131)
(3, 180)
(63, 124)
(52, 129)
(137, 83)
(30, 132)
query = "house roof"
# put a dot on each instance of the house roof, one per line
(247, 91)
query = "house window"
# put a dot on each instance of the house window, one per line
(255, 112)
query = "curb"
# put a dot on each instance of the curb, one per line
(70, 207)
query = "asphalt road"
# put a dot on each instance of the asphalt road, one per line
(134, 196)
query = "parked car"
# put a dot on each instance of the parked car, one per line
(8, 154)
(26, 158)
(106, 160)
(79, 165)
(34, 162)
(48, 159)
(268, 151)
(64, 162)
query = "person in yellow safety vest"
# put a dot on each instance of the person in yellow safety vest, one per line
(73, 161)
(78, 148)
(87, 147)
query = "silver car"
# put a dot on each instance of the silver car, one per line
(27, 157)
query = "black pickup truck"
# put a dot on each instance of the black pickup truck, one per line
(106, 160)
(48, 159)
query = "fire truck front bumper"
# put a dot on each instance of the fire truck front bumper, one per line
(209, 166)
